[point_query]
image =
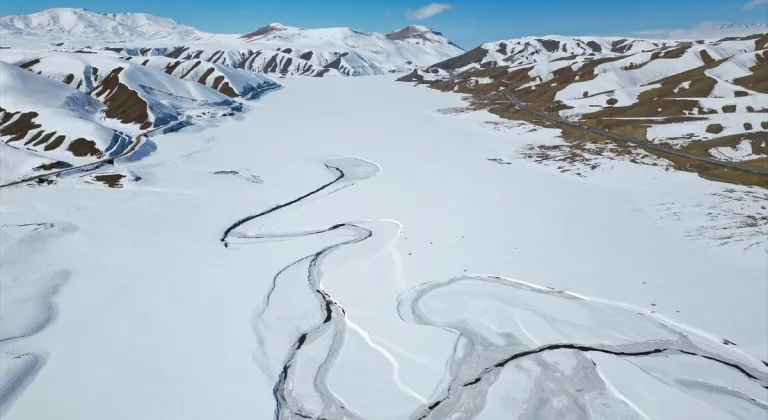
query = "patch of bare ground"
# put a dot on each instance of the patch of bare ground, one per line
(52, 166)
(761, 42)
(189, 70)
(223, 86)
(55, 144)
(30, 63)
(46, 137)
(729, 109)
(758, 80)
(171, 67)
(714, 129)
(568, 58)
(747, 126)
(81, 147)
(205, 75)
(122, 102)
(110, 180)
(705, 57)
(17, 128)
(217, 81)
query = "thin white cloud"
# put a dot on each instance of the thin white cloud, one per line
(429, 11)
(754, 4)
(705, 30)
(664, 32)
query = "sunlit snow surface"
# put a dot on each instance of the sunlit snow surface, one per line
(383, 268)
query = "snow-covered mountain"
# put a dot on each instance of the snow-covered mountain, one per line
(274, 48)
(285, 49)
(707, 97)
(532, 50)
(50, 118)
(715, 31)
(68, 23)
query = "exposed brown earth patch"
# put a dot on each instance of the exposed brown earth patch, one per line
(741, 93)
(177, 52)
(758, 80)
(121, 102)
(35, 136)
(171, 67)
(81, 147)
(474, 56)
(52, 166)
(729, 109)
(204, 78)
(714, 129)
(264, 30)
(227, 90)
(217, 81)
(68, 79)
(747, 126)
(705, 57)
(761, 42)
(620, 46)
(110, 180)
(186, 73)
(42, 140)
(19, 127)
(671, 53)
(549, 45)
(55, 144)
(29, 64)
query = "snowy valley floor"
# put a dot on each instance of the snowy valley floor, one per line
(423, 269)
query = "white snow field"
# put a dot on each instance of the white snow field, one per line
(343, 250)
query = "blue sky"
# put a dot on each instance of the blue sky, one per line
(466, 22)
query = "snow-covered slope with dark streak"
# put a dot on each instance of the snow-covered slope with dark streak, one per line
(273, 48)
(69, 23)
(531, 50)
(227, 80)
(145, 96)
(49, 119)
(365, 52)
(259, 61)
(289, 265)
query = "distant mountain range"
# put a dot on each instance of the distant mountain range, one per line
(273, 48)
(106, 27)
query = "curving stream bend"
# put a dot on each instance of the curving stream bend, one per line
(537, 329)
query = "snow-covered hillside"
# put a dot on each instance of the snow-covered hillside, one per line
(49, 117)
(379, 261)
(274, 48)
(693, 95)
(68, 23)
(66, 109)
(715, 31)
(137, 94)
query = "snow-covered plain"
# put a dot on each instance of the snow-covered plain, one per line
(384, 268)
